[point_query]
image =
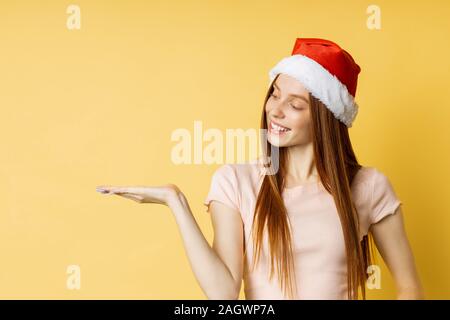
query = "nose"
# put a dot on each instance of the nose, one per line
(277, 110)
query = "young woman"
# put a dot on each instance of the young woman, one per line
(305, 230)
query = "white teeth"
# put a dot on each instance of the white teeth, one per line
(277, 128)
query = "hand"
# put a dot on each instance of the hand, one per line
(165, 194)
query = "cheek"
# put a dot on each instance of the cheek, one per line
(301, 121)
(268, 106)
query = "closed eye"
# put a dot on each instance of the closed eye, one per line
(298, 108)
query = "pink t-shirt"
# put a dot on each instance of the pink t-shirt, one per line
(319, 247)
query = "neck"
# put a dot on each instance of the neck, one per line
(301, 167)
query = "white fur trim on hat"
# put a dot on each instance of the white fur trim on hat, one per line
(322, 85)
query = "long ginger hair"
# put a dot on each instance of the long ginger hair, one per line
(337, 165)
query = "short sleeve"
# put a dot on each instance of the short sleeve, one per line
(224, 187)
(384, 199)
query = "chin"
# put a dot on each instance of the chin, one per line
(277, 142)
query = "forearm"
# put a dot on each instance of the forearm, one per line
(211, 273)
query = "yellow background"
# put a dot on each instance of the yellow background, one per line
(97, 106)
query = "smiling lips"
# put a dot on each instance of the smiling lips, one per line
(277, 129)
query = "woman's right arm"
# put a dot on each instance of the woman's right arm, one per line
(218, 269)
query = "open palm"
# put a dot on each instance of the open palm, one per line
(143, 194)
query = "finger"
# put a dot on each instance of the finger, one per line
(125, 190)
(112, 189)
(130, 196)
(104, 190)
(124, 195)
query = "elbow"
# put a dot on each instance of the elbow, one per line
(231, 293)
(223, 295)
(415, 293)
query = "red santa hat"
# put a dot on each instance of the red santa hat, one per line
(327, 71)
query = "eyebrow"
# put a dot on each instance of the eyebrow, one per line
(293, 95)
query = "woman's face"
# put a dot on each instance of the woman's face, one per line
(288, 106)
